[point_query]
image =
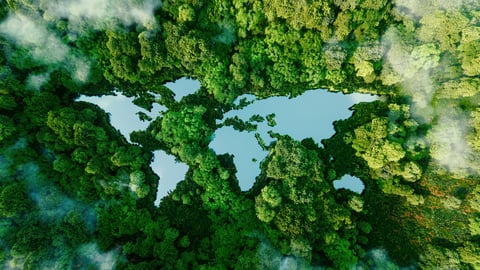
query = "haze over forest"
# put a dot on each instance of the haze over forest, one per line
(76, 194)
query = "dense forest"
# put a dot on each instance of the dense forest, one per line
(76, 194)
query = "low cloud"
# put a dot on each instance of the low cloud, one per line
(411, 69)
(378, 259)
(52, 204)
(86, 256)
(416, 68)
(28, 33)
(35, 81)
(81, 70)
(45, 48)
(270, 258)
(422, 8)
(90, 255)
(5, 157)
(449, 147)
(100, 13)
(358, 97)
(16, 263)
(52, 207)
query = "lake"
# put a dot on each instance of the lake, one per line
(308, 115)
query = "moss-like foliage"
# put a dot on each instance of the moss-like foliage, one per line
(75, 194)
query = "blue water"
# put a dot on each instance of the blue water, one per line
(123, 117)
(349, 182)
(308, 115)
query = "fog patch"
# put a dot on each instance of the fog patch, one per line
(449, 147)
(5, 163)
(81, 70)
(228, 33)
(417, 68)
(15, 263)
(99, 13)
(36, 81)
(411, 68)
(31, 32)
(5, 158)
(43, 47)
(120, 184)
(91, 256)
(52, 207)
(289, 263)
(378, 259)
(358, 97)
(51, 203)
(422, 8)
(270, 258)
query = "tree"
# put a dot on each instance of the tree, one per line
(14, 200)
(154, 54)
(166, 250)
(7, 102)
(31, 237)
(339, 251)
(124, 50)
(71, 180)
(335, 56)
(469, 58)
(469, 254)
(39, 105)
(458, 89)
(289, 159)
(61, 122)
(137, 184)
(128, 156)
(238, 69)
(264, 211)
(179, 128)
(186, 13)
(7, 128)
(452, 22)
(86, 134)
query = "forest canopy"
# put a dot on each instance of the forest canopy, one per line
(76, 194)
